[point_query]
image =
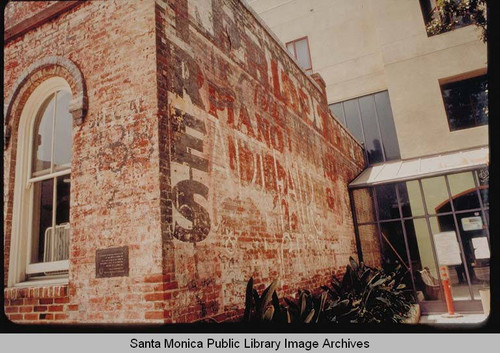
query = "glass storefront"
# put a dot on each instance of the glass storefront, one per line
(428, 223)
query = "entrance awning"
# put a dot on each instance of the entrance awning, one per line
(422, 167)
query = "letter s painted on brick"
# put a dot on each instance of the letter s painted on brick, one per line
(183, 201)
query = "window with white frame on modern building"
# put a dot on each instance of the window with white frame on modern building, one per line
(43, 178)
(466, 102)
(369, 118)
(299, 49)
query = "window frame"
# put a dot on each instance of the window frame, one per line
(383, 134)
(20, 252)
(456, 81)
(293, 42)
(430, 10)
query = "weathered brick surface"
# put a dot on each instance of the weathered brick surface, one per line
(258, 169)
(368, 233)
(34, 305)
(205, 150)
(15, 11)
(114, 189)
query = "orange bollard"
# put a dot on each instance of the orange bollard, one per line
(445, 279)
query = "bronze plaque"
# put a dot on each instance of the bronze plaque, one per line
(112, 262)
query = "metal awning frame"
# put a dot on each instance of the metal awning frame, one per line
(417, 177)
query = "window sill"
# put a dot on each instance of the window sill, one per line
(42, 282)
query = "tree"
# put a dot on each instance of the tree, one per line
(450, 14)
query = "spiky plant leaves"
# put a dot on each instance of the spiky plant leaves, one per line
(309, 317)
(288, 317)
(354, 264)
(268, 315)
(303, 303)
(248, 299)
(322, 302)
(266, 297)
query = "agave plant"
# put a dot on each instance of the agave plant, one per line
(308, 307)
(368, 295)
(365, 295)
(261, 307)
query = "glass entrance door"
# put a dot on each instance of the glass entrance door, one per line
(426, 223)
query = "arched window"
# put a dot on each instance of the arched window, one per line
(41, 220)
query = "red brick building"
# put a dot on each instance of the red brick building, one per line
(158, 154)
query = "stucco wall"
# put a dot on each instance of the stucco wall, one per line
(365, 46)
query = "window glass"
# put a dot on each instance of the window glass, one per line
(387, 202)
(387, 128)
(394, 249)
(369, 119)
(436, 195)
(438, 22)
(338, 112)
(43, 192)
(411, 227)
(352, 118)
(50, 208)
(463, 191)
(466, 102)
(302, 50)
(61, 239)
(63, 199)
(425, 268)
(42, 138)
(444, 226)
(411, 199)
(299, 49)
(373, 142)
(63, 127)
(483, 178)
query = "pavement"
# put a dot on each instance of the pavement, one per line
(441, 319)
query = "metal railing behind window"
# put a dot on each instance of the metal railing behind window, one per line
(56, 243)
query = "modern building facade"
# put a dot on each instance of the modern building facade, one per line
(157, 155)
(418, 101)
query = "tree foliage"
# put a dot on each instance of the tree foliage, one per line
(450, 14)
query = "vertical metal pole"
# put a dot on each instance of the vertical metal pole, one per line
(362, 130)
(445, 278)
(384, 155)
(54, 182)
(356, 230)
(476, 184)
(429, 229)
(405, 239)
(457, 228)
(379, 231)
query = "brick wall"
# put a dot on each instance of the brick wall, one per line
(114, 179)
(39, 304)
(16, 12)
(368, 233)
(258, 169)
(205, 150)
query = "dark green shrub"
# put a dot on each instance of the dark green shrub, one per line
(258, 308)
(365, 295)
(368, 295)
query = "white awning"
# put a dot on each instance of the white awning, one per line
(422, 167)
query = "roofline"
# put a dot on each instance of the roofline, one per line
(38, 19)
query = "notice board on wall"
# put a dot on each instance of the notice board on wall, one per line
(447, 248)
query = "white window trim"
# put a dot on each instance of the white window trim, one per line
(21, 217)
